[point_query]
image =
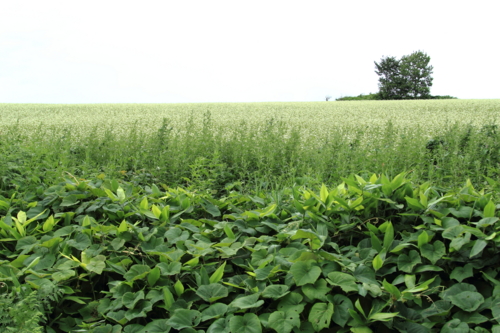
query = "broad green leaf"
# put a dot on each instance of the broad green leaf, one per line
(156, 326)
(284, 322)
(467, 300)
(461, 273)
(318, 290)
(383, 316)
(153, 276)
(218, 274)
(457, 243)
(97, 264)
(212, 292)
(391, 289)
(414, 204)
(489, 210)
(407, 262)
(248, 323)
(144, 205)
(377, 262)
(400, 247)
(63, 275)
(470, 317)
(320, 315)
(365, 274)
(292, 302)
(183, 318)
(171, 268)
(247, 302)
(130, 299)
(69, 200)
(479, 245)
(388, 236)
(343, 280)
(263, 273)
(80, 242)
(137, 272)
(118, 316)
(123, 227)
(323, 193)
(361, 329)
(229, 233)
(179, 288)
(168, 298)
(211, 209)
(410, 280)
(455, 326)
(423, 238)
(215, 310)
(305, 272)
(342, 304)
(453, 232)
(275, 291)
(139, 311)
(376, 244)
(120, 193)
(219, 326)
(438, 308)
(433, 252)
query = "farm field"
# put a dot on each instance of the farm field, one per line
(249, 218)
(253, 144)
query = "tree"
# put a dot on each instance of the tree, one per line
(416, 73)
(407, 78)
(391, 83)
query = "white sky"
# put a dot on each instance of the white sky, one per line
(237, 51)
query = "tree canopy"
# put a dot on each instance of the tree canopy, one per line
(405, 78)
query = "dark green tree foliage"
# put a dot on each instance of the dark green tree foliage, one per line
(391, 82)
(416, 73)
(406, 78)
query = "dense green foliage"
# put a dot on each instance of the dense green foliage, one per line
(360, 97)
(376, 97)
(205, 151)
(206, 223)
(370, 254)
(405, 78)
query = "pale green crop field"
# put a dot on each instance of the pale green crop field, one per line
(203, 144)
(314, 118)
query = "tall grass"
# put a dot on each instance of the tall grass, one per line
(204, 154)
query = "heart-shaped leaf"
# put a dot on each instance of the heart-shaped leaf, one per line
(318, 290)
(343, 280)
(249, 323)
(212, 292)
(467, 300)
(461, 273)
(434, 251)
(183, 318)
(455, 326)
(407, 262)
(283, 322)
(247, 302)
(275, 291)
(305, 272)
(214, 311)
(320, 315)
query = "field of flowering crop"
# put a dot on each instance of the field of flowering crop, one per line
(222, 143)
(250, 218)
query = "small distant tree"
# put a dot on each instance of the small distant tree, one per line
(391, 83)
(416, 73)
(327, 97)
(407, 78)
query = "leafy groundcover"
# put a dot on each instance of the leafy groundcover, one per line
(370, 255)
